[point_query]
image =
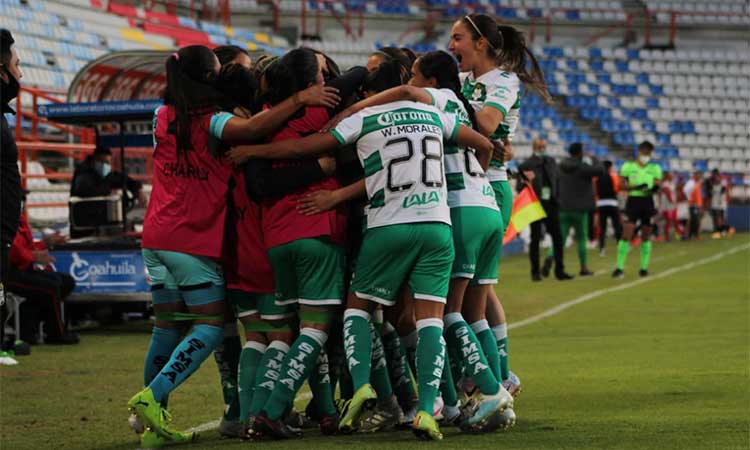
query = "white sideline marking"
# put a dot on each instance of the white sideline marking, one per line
(592, 295)
(214, 424)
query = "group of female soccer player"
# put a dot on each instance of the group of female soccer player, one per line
(352, 222)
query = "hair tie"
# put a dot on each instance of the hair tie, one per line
(176, 56)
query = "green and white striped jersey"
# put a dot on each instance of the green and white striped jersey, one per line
(400, 146)
(500, 90)
(467, 183)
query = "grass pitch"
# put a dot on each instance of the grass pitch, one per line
(663, 364)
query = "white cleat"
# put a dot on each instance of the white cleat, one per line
(488, 404)
(513, 384)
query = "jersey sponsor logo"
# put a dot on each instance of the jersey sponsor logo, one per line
(391, 118)
(429, 199)
(185, 170)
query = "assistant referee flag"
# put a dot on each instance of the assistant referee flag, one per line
(526, 209)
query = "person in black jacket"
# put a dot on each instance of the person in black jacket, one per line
(576, 198)
(542, 170)
(94, 178)
(10, 178)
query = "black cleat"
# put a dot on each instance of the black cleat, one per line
(618, 274)
(562, 276)
(585, 273)
(643, 273)
(536, 277)
(276, 429)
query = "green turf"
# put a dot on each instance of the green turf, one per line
(664, 365)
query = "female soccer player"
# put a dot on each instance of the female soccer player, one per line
(400, 145)
(495, 58)
(184, 224)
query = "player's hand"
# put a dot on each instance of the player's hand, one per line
(319, 95)
(238, 155)
(317, 202)
(509, 152)
(55, 239)
(42, 257)
(498, 153)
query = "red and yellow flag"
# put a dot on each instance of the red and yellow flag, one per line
(526, 209)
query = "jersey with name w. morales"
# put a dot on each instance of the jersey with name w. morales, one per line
(500, 90)
(400, 146)
(467, 183)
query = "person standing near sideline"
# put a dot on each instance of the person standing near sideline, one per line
(10, 178)
(694, 193)
(576, 198)
(541, 168)
(607, 186)
(640, 178)
(717, 199)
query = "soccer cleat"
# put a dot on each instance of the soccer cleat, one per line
(536, 278)
(643, 273)
(365, 397)
(275, 428)
(716, 235)
(585, 273)
(386, 414)
(452, 415)
(407, 419)
(150, 440)
(329, 425)
(488, 404)
(512, 384)
(437, 408)
(426, 428)
(497, 421)
(231, 428)
(563, 276)
(618, 274)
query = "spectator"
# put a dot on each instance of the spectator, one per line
(43, 289)
(94, 178)
(10, 179)
(576, 198)
(717, 196)
(694, 193)
(607, 186)
(668, 202)
(541, 169)
(683, 210)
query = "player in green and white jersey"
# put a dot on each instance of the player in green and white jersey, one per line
(408, 237)
(477, 234)
(640, 179)
(494, 58)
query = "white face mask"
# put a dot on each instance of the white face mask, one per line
(643, 159)
(103, 168)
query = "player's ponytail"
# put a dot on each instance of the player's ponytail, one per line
(441, 66)
(515, 56)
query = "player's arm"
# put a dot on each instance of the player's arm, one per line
(488, 119)
(391, 95)
(245, 130)
(312, 145)
(322, 201)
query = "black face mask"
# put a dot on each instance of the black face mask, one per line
(10, 89)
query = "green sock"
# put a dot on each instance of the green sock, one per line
(268, 372)
(481, 329)
(379, 368)
(358, 345)
(320, 385)
(645, 254)
(296, 368)
(398, 367)
(501, 337)
(227, 357)
(250, 359)
(430, 361)
(454, 362)
(447, 385)
(623, 247)
(474, 362)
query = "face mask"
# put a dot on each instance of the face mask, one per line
(643, 159)
(103, 168)
(10, 89)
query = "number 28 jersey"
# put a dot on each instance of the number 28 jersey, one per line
(400, 146)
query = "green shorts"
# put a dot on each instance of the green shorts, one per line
(252, 303)
(420, 253)
(199, 279)
(308, 272)
(504, 200)
(478, 242)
